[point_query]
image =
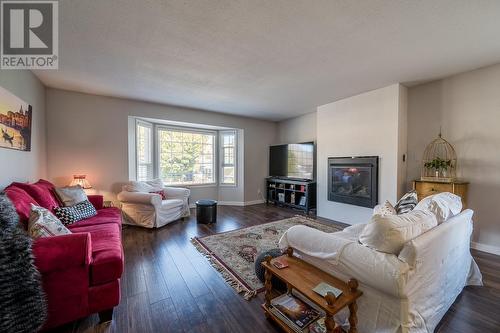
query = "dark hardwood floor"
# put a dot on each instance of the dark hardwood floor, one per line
(168, 286)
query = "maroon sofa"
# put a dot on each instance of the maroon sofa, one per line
(81, 271)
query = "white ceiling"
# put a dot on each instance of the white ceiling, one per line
(271, 59)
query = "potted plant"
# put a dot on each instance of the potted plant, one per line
(439, 165)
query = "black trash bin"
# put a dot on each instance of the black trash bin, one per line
(206, 211)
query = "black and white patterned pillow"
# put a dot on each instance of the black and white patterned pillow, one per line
(407, 203)
(72, 214)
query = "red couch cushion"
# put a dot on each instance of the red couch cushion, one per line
(42, 191)
(22, 201)
(104, 216)
(107, 254)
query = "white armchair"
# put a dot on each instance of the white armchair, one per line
(147, 209)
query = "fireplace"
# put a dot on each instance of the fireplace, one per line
(353, 180)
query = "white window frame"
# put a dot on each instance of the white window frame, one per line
(218, 158)
(221, 158)
(156, 167)
(139, 122)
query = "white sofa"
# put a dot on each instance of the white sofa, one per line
(406, 293)
(148, 209)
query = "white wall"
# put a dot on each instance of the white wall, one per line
(18, 165)
(402, 141)
(368, 124)
(467, 106)
(298, 129)
(89, 134)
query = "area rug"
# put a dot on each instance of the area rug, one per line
(233, 253)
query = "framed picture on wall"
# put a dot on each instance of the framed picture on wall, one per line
(15, 122)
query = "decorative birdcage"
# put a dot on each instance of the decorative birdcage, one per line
(439, 162)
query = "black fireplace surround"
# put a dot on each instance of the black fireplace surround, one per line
(353, 180)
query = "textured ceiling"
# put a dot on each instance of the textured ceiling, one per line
(271, 59)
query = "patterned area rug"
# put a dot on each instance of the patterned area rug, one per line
(233, 253)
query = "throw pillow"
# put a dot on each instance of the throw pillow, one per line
(385, 209)
(443, 205)
(161, 193)
(43, 223)
(407, 203)
(72, 214)
(389, 233)
(71, 195)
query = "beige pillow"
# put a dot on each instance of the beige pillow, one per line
(384, 209)
(71, 195)
(444, 205)
(389, 233)
(42, 223)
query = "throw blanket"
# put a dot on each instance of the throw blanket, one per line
(313, 242)
(22, 301)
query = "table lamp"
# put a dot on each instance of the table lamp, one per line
(80, 180)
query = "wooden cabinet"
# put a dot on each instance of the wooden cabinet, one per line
(425, 188)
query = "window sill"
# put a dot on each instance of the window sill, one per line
(228, 185)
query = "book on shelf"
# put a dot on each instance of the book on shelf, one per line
(295, 312)
(302, 201)
(287, 321)
(281, 197)
(323, 288)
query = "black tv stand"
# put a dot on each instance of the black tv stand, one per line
(291, 192)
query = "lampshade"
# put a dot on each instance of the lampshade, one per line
(80, 180)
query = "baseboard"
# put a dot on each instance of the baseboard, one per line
(240, 203)
(231, 203)
(485, 248)
(234, 203)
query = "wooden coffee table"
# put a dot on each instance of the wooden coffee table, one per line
(303, 277)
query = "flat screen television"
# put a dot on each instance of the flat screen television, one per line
(292, 160)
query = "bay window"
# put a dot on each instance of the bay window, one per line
(185, 156)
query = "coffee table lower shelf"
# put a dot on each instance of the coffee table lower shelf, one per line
(269, 315)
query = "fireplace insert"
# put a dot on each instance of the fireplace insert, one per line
(353, 180)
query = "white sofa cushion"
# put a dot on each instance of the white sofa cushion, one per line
(443, 205)
(144, 186)
(389, 233)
